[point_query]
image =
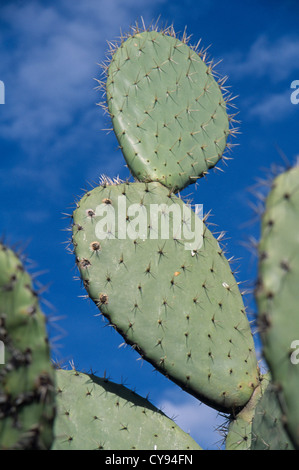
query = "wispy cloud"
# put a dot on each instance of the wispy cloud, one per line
(266, 69)
(52, 62)
(273, 107)
(275, 59)
(49, 66)
(50, 54)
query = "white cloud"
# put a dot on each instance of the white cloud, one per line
(51, 66)
(273, 107)
(267, 68)
(50, 55)
(51, 69)
(275, 59)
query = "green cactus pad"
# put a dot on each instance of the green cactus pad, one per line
(94, 413)
(26, 378)
(277, 291)
(240, 427)
(180, 308)
(268, 425)
(259, 425)
(168, 111)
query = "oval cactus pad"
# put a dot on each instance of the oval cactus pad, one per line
(168, 111)
(178, 304)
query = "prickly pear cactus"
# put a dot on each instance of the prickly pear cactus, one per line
(239, 433)
(168, 112)
(259, 425)
(26, 378)
(277, 292)
(268, 425)
(179, 306)
(94, 413)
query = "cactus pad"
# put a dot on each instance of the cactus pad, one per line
(259, 425)
(268, 425)
(277, 291)
(26, 377)
(181, 309)
(168, 111)
(94, 413)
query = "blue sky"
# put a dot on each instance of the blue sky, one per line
(53, 146)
